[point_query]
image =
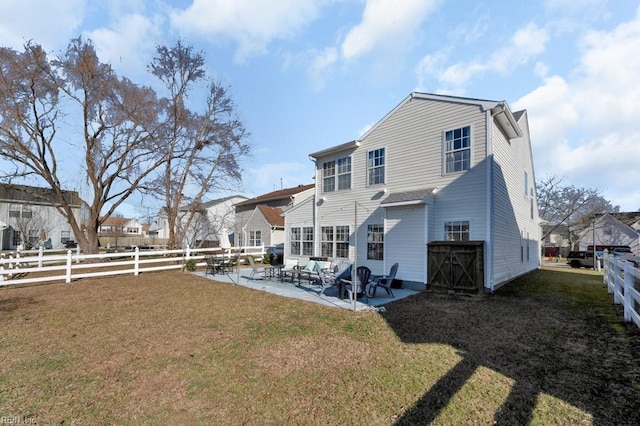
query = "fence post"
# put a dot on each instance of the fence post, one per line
(616, 275)
(40, 256)
(68, 279)
(628, 285)
(2, 267)
(136, 267)
(78, 253)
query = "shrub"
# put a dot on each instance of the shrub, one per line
(191, 265)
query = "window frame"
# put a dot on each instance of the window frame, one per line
(255, 235)
(334, 241)
(375, 241)
(379, 164)
(452, 151)
(460, 231)
(307, 240)
(336, 174)
(295, 241)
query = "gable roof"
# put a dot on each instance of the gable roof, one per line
(35, 195)
(273, 215)
(499, 109)
(205, 205)
(282, 194)
(116, 221)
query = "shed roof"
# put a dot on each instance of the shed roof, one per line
(415, 196)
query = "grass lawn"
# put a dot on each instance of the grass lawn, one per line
(549, 348)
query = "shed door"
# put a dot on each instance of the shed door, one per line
(456, 266)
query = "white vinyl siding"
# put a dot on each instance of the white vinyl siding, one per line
(405, 242)
(516, 229)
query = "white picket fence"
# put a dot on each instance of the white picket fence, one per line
(622, 278)
(50, 266)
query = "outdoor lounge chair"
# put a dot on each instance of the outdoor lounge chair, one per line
(326, 279)
(383, 281)
(255, 269)
(291, 269)
(363, 275)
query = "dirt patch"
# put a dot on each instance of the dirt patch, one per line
(311, 355)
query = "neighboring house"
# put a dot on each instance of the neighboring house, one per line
(615, 229)
(212, 224)
(31, 215)
(438, 180)
(558, 242)
(258, 220)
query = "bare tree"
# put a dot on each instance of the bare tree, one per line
(568, 205)
(117, 119)
(201, 148)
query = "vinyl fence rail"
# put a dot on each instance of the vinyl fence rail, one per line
(622, 278)
(49, 266)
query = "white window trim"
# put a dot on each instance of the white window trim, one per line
(386, 163)
(444, 148)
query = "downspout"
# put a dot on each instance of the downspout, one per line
(314, 209)
(489, 261)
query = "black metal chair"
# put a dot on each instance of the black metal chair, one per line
(384, 281)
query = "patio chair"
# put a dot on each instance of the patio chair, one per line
(255, 269)
(325, 278)
(363, 275)
(383, 281)
(212, 265)
(290, 268)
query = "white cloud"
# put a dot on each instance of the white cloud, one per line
(320, 68)
(50, 24)
(129, 44)
(385, 22)
(251, 26)
(526, 43)
(584, 126)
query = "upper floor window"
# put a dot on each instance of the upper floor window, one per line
(375, 166)
(341, 169)
(329, 176)
(526, 183)
(457, 230)
(457, 149)
(344, 173)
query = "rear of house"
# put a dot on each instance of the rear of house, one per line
(434, 169)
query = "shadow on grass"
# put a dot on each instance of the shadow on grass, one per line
(542, 332)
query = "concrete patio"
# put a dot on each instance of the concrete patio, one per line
(306, 291)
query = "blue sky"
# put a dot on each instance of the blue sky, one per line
(310, 74)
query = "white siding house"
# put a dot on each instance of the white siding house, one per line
(212, 224)
(613, 229)
(31, 216)
(435, 168)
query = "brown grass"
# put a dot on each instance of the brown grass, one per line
(175, 348)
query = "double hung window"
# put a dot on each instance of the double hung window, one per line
(375, 166)
(336, 171)
(375, 242)
(457, 154)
